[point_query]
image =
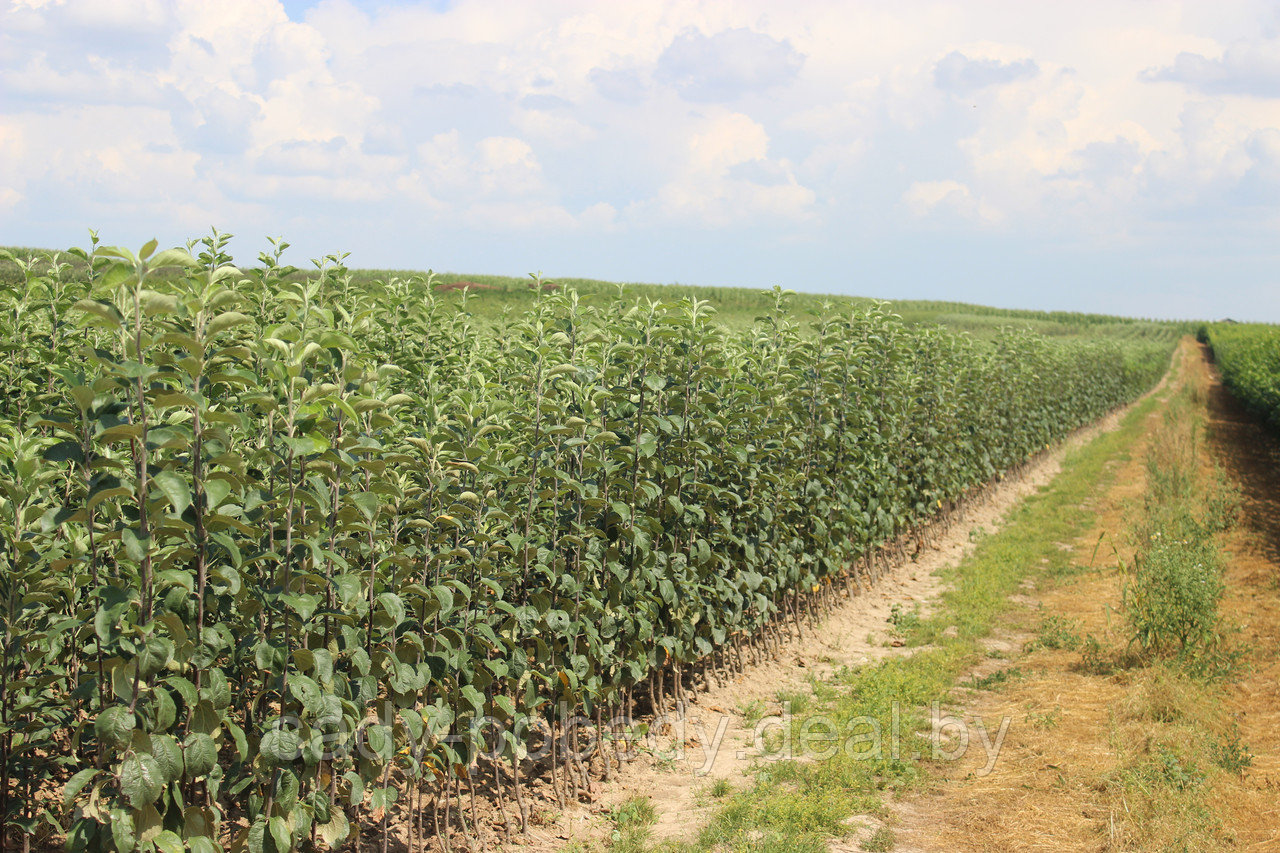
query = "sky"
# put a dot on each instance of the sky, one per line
(1119, 157)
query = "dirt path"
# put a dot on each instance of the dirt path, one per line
(1054, 785)
(1251, 456)
(718, 733)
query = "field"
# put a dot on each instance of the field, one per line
(346, 559)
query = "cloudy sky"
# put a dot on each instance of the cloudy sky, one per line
(1119, 157)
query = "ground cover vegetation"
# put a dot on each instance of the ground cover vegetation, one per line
(274, 544)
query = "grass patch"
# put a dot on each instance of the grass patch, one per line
(1054, 632)
(1027, 544)
(880, 841)
(995, 680)
(720, 789)
(794, 701)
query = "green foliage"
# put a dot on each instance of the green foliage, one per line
(994, 680)
(1231, 753)
(1172, 595)
(721, 788)
(1055, 632)
(880, 841)
(1248, 354)
(1172, 599)
(271, 542)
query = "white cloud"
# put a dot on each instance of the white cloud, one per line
(958, 73)
(725, 141)
(727, 65)
(496, 165)
(710, 191)
(823, 121)
(1246, 67)
(926, 198)
(558, 130)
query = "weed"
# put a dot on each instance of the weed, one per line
(631, 824)
(993, 680)
(752, 712)
(1094, 657)
(1176, 773)
(721, 788)
(903, 620)
(635, 812)
(880, 841)
(794, 701)
(1044, 719)
(1172, 598)
(1231, 753)
(1054, 633)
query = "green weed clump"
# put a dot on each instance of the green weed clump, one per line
(1172, 602)
(1175, 585)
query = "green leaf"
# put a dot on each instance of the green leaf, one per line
(141, 780)
(164, 749)
(64, 451)
(257, 836)
(175, 488)
(279, 746)
(307, 692)
(393, 605)
(155, 656)
(445, 596)
(174, 258)
(335, 832)
(302, 603)
(219, 689)
(114, 726)
(367, 503)
(123, 831)
(281, 835)
(199, 754)
(76, 784)
(169, 842)
(103, 312)
(134, 546)
(215, 492)
(356, 788)
(155, 303)
(474, 697)
(205, 719)
(227, 320)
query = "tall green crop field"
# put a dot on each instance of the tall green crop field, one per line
(286, 556)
